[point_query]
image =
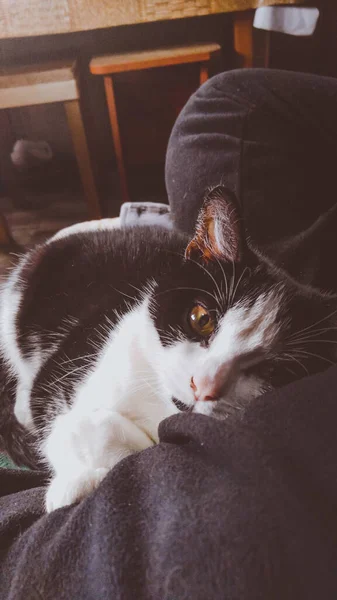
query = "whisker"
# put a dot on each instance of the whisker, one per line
(238, 283)
(136, 288)
(192, 289)
(306, 353)
(68, 374)
(87, 357)
(313, 324)
(290, 371)
(122, 293)
(309, 336)
(224, 276)
(232, 284)
(207, 273)
(310, 341)
(292, 357)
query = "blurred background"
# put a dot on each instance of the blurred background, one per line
(38, 195)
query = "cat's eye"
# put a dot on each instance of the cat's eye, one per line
(201, 321)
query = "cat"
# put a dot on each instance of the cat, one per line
(106, 333)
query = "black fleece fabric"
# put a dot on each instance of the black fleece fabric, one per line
(241, 509)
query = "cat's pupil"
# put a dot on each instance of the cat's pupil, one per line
(204, 319)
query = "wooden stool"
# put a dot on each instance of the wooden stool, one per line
(110, 64)
(42, 84)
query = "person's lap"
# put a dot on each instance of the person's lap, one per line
(240, 509)
(269, 136)
(243, 509)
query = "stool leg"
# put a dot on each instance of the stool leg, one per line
(203, 72)
(76, 126)
(111, 101)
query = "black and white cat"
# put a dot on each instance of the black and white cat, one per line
(105, 333)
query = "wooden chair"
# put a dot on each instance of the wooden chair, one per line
(42, 84)
(110, 64)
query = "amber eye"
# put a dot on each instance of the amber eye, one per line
(201, 321)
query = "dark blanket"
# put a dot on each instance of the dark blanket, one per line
(242, 509)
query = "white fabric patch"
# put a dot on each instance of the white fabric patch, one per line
(145, 213)
(293, 20)
(131, 214)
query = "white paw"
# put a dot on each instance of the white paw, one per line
(64, 491)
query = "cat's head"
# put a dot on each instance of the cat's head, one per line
(232, 325)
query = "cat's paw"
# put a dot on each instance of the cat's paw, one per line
(64, 491)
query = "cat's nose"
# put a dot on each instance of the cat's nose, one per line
(206, 390)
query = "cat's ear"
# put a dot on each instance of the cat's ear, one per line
(219, 232)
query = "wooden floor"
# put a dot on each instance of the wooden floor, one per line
(44, 202)
(40, 218)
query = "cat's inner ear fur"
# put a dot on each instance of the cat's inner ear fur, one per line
(219, 229)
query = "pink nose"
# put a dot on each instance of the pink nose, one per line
(207, 390)
(212, 388)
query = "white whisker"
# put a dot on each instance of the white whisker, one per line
(313, 324)
(238, 283)
(189, 288)
(306, 353)
(207, 273)
(292, 357)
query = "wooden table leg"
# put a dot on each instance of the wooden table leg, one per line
(76, 126)
(111, 102)
(243, 36)
(203, 72)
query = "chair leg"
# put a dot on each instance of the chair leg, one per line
(111, 102)
(243, 36)
(203, 76)
(6, 239)
(76, 126)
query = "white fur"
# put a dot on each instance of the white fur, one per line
(116, 411)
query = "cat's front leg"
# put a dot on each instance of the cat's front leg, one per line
(82, 448)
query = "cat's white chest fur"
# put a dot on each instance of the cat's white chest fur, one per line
(116, 411)
(125, 375)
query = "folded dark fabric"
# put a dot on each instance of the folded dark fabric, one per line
(241, 509)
